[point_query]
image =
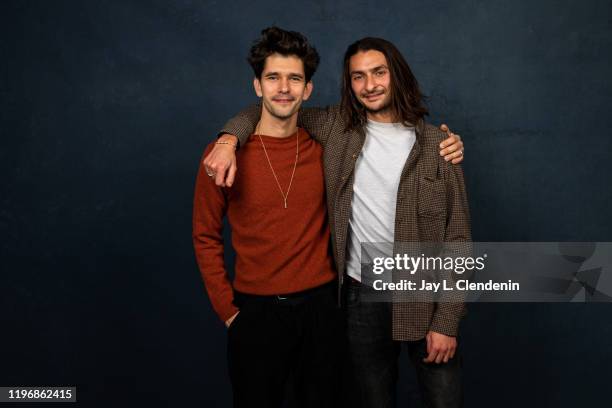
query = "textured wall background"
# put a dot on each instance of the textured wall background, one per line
(106, 107)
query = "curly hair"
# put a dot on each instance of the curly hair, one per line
(275, 40)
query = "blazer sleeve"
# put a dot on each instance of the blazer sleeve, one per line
(243, 124)
(318, 122)
(457, 243)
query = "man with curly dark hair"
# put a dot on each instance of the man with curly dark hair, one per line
(280, 309)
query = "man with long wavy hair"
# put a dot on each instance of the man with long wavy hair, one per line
(386, 181)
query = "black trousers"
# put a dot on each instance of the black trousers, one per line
(276, 339)
(373, 359)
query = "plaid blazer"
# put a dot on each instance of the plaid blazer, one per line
(431, 203)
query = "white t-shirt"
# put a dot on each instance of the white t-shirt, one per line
(377, 175)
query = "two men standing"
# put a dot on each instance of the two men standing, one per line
(385, 181)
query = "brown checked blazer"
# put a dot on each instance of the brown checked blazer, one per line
(431, 203)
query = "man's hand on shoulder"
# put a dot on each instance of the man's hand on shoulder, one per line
(440, 348)
(451, 147)
(220, 163)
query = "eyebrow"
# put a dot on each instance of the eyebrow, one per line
(382, 66)
(278, 73)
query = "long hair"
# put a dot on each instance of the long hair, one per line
(407, 101)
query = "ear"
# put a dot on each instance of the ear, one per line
(307, 91)
(257, 86)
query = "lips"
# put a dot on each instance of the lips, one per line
(371, 98)
(282, 100)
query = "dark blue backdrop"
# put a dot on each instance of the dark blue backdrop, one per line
(106, 107)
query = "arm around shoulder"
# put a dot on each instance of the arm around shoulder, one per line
(243, 124)
(319, 122)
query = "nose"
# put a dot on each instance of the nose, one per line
(284, 85)
(370, 83)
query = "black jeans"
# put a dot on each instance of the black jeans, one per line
(373, 358)
(275, 339)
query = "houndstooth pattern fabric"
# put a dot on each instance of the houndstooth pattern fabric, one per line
(431, 204)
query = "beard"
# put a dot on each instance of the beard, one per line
(383, 108)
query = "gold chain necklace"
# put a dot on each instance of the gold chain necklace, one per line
(297, 152)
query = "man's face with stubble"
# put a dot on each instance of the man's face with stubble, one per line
(282, 85)
(371, 80)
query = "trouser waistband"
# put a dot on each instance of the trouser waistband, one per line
(290, 299)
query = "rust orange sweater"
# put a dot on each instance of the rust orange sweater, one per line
(278, 250)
